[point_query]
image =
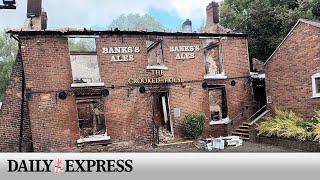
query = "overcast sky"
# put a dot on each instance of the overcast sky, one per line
(99, 13)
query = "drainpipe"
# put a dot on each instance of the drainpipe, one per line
(22, 100)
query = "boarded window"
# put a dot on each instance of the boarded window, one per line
(84, 60)
(155, 53)
(218, 103)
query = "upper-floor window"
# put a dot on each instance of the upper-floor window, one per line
(155, 54)
(214, 58)
(84, 62)
(316, 85)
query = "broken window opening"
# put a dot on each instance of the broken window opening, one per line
(214, 56)
(155, 53)
(91, 116)
(84, 61)
(218, 103)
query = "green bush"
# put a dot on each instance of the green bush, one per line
(286, 124)
(316, 133)
(302, 123)
(194, 125)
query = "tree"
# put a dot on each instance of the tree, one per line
(264, 30)
(136, 22)
(8, 52)
(235, 14)
(82, 44)
(266, 21)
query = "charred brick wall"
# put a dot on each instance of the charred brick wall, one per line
(289, 71)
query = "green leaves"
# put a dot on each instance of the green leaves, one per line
(82, 44)
(289, 125)
(137, 22)
(266, 21)
(8, 52)
(194, 125)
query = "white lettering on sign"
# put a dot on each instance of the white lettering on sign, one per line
(125, 53)
(184, 52)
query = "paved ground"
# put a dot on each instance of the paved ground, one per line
(246, 147)
(182, 147)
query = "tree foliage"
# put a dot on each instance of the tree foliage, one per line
(82, 44)
(123, 22)
(136, 22)
(8, 52)
(266, 21)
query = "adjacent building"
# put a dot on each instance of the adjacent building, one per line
(293, 71)
(126, 86)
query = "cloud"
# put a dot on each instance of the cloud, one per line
(84, 13)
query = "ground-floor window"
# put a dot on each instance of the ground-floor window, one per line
(91, 116)
(218, 102)
(316, 85)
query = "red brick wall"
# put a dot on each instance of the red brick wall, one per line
(10, 113)
(289, 71)
(47, 68)
(128, 113)
(191, 98)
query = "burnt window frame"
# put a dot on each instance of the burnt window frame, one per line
(224, 104)
(210, 46)
(85, 53)
(95, 137)
(152, 46)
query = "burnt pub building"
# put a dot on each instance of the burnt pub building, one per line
(129, 86)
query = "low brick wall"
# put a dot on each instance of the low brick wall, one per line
(305, 146)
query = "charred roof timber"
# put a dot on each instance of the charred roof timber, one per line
(109, 32)
(8, 4)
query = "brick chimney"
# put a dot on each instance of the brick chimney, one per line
(213, 13)
(187, 26)
(212, 24)
(36, 18)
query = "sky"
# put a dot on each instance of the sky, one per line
(97, 14)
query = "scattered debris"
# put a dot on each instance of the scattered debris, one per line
(164, 135)
(218, 143)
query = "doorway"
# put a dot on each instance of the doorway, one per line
(161, 116)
